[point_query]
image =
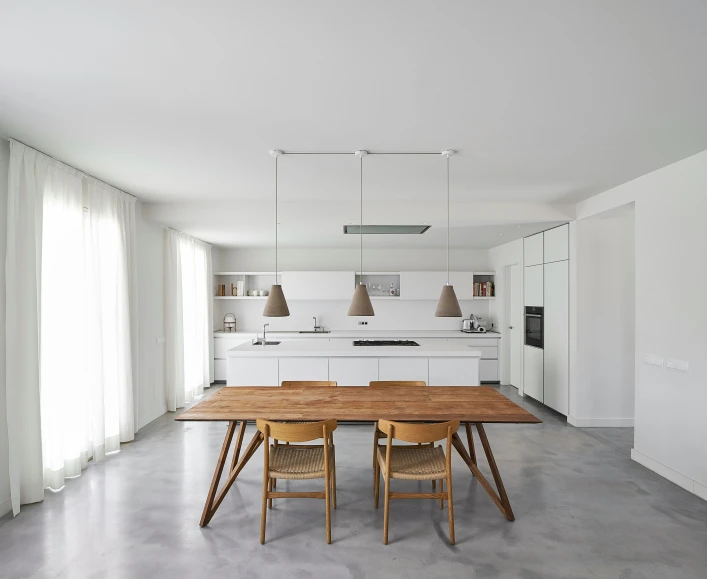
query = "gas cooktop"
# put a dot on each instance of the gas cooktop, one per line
(385, 343)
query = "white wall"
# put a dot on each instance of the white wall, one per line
(390, 315)
(671, 316)
(322, 259)
(602, 392)
(4, 453)
(499, 257)
(151, 401)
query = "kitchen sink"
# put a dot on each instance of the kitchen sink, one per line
(262, 343)
(314, 332)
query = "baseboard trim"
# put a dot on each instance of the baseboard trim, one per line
(5, 506)
(599, 422)
(672, 475)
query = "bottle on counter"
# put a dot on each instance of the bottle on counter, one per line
(392, 289)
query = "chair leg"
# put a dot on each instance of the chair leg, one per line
(386, 510)
(274, 483)
(271, 483)
(450, 508)
(264, 509)
(434, 484)
(376, 483)
(327, 500)
(375, 444)
(441, 490)
(333, 477)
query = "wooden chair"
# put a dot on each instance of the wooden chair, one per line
(415, 463)
(298, 462)
(377, 434)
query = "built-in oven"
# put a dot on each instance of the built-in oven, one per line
(534, 326)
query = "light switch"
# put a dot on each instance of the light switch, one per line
(653, 361)
(677, 365)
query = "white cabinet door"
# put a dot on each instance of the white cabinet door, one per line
(318, 285)
(252, 372)
(353, 371)
(422, 285)
(556, 244)
(534, 285)
(403, 369)
(533, 372)
(556, 339)
(222, 345)
(453, 372)
(303, 369)
(488, 371)
(533, 250)
(220, 370)
(463, 282)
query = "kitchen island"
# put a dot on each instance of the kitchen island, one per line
(437, 362)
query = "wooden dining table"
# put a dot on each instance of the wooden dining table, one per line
(471, 405)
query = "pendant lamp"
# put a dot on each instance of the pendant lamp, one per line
(448, 305)
(276, 306)
(361, 302)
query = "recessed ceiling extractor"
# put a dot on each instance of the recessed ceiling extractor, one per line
(386, 229)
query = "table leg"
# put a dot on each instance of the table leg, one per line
(470, 442)
(214, 500)
(502, 501)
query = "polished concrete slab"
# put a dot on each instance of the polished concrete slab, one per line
(583, 510)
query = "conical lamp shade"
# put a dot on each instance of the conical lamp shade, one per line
(361, 303)
(448, 305)
(276, 306)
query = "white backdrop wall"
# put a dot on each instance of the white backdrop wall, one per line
(5, 505)
(150, 395)
(671, 316)
(391, 315)
(603, 392)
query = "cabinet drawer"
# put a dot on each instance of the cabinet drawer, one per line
(252, 372)
(474, 342)
(303, 369)
(403, 369)
(222, 345)
(220, 369)
(487, 352)
(488, 370)
(454, 372)
(353, 371)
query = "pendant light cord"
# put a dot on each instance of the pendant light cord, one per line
(361, 226)
(447, 219)
(275, 220)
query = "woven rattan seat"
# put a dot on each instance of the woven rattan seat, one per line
(296, 462)
(414, 462)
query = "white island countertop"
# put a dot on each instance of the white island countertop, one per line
(358, 334)
(345, 348)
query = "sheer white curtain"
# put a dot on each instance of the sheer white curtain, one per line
(188, 317)
(71, 322)
(86, 343)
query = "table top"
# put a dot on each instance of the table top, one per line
(432, 403)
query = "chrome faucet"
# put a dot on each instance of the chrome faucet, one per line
(264, 338)
(316, 327)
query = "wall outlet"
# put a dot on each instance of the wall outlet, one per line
(677, 365)
(653, 361)
(363, 323)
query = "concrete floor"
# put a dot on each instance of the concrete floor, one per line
(583, 509)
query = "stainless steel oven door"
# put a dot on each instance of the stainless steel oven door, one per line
(534, 326)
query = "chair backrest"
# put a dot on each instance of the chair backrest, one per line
(287, 432)
(410, 432)
(396, 383)
(307, 383)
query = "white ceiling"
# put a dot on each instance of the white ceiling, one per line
(547, 102)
